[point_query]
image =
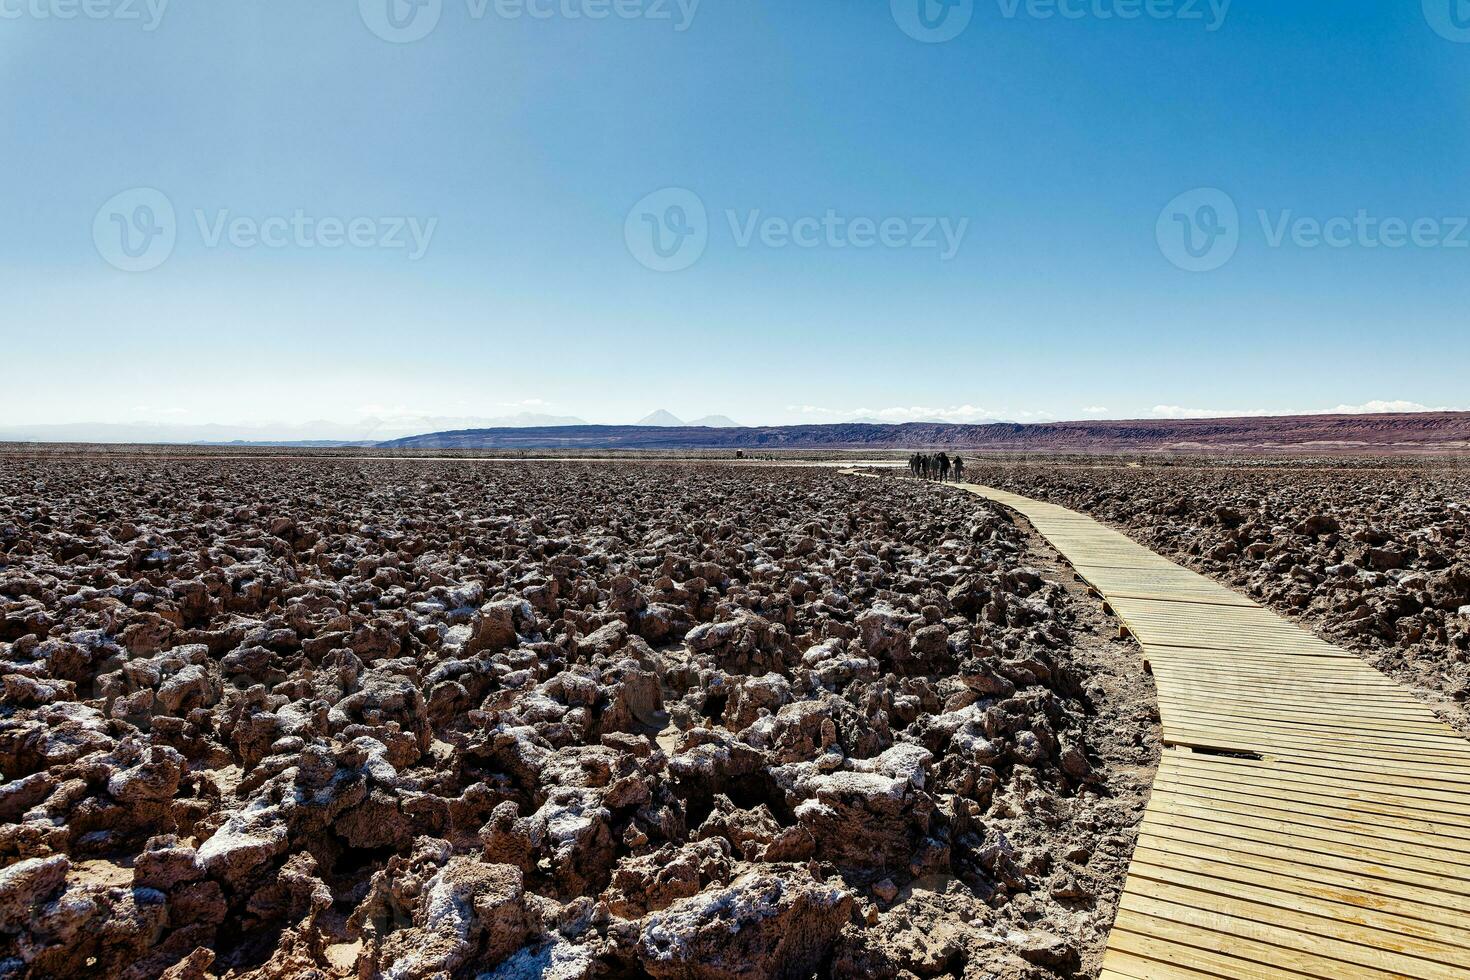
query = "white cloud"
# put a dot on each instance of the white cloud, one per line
(1375, 407)
(897, 414)
(1095, 410)
(1179, 412)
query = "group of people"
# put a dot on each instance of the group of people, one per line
(937, 466)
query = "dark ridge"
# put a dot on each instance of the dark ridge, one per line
(1396, 432)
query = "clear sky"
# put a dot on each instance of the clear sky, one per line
(984, 226)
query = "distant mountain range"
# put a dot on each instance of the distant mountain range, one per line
(660, 417)
(1364, 433)
(368, 431)
(1445, 431)
(665, 418)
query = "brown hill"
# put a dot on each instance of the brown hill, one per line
(1417, 432)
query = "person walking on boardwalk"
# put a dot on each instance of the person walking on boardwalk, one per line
(959, 469)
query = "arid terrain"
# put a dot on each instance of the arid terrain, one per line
(1372, 554)
(334, 718)
(1383, 433)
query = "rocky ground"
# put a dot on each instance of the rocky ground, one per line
(1373, 555)
(316, 718)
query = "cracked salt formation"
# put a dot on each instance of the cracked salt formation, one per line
(269, 718)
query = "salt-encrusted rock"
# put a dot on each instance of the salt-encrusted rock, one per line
(764, 924)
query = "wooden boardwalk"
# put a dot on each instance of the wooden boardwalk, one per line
(1310, 817)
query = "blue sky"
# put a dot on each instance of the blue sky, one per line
(1054, 149)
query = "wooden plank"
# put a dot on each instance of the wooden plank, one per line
(1212, 676)
(1146, 958)
(1450, 805)
(1340, 715)
(1237, 921)
(1430, 916)
(1221, 598)
(1269, 903)
(1406, 777)
(1288, 662)
(1342, 806)
(1310, 877)
(1266, 832)
(1366, 827)
(1224, 679)
(1200, 682)
(1244, 644)
(1108, 973)
(1313, 865)
(1358, 710)
(1200, 949)
(1371, 756)
(1380, 756)
(1361, 708)
(1300, 723)
(1201, 651)
(1266, 773)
